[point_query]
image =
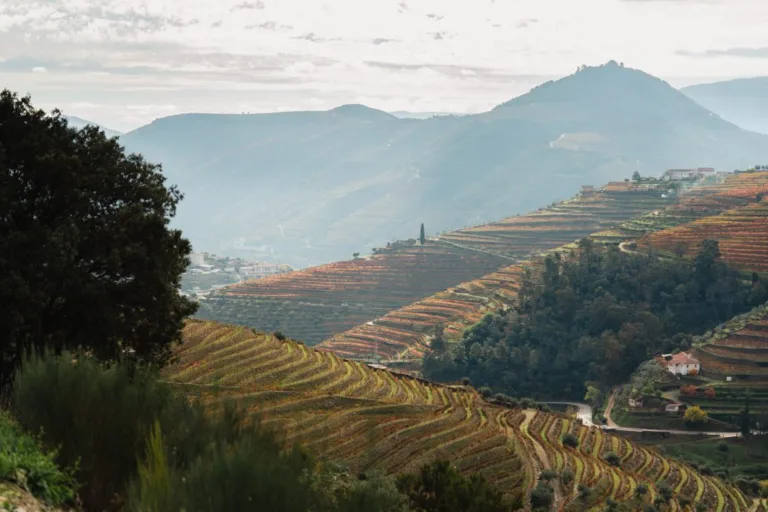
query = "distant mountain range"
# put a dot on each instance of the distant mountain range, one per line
(309, 187)
(77, 122)
(743, 102)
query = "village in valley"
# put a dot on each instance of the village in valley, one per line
(210, 272)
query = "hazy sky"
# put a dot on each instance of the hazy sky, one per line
(125, 62)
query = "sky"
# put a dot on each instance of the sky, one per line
(123, 63)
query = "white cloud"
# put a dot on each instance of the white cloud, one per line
(39, 69)
(199, 55)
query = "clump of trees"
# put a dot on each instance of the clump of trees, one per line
(594, 315)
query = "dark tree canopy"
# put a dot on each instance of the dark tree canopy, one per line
(88, 259)
(593, 316)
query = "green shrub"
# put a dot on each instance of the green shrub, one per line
(570, 439)
(335, 489)
(548, 474)
(23, 461)
(439, 486)
(251, 471)
(100, 417)
(567, 477)
(542, 496)
(252, 467)
(665, 492)
(613, 459)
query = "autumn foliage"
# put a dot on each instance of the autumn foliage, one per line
(688, 390)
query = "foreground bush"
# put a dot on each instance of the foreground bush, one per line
(99, 418)
(142, 446)
(252, 472)
(24, 462)
(440, 487)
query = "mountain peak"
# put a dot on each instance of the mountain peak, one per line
(609, 82)
(358, 111)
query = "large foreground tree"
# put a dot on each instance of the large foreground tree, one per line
(87, 259)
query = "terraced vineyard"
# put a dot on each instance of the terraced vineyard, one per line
(738, 349)
(406, 332)
(320, 302)
(390, 304)
(559, 224)
(742, 233)
(316, 303)
(696, 203)
(373, 419)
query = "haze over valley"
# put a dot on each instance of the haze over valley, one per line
(327, 184)
(388, 256)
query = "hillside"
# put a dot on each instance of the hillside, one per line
(742, 232)
(317, 303)
(378, 420)
(561, 223)
(309, 187)
(737, 190)
(743, 102)
(738, 349)
(406, 332)
(734, 362)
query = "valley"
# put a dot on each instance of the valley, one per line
(383, 256)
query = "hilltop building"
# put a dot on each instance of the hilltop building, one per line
(263, 269)
(197, 259)
(688, 174)
(680, 364)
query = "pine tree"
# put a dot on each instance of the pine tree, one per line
(422, 237)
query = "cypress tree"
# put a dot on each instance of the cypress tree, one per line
(745, 422)
(422, 238)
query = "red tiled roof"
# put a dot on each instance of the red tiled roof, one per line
(682, 358)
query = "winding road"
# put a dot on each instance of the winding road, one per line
(584, 413)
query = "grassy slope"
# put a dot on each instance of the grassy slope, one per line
(28, 473)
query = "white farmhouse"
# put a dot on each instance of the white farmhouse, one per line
(682, 364)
